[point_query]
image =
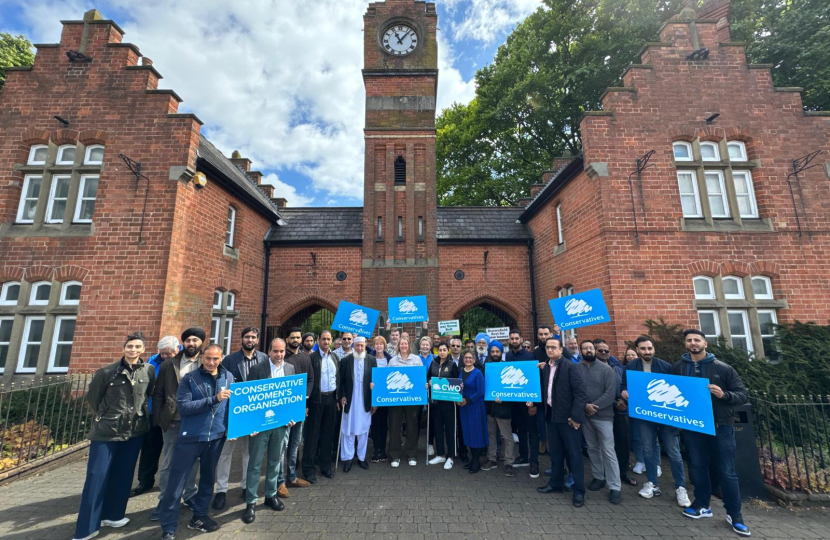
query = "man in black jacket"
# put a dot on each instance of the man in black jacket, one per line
(727, 392)
(355, 396)
(319, 425)
(296, 355)
(564, 399)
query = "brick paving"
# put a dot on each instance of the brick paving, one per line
(409, 503)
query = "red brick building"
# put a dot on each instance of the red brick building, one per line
(684, 204)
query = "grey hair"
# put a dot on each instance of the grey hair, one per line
(168, 342)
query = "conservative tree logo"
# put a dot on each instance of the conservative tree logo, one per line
(398, 383)
(358, 316)
(577, 307)
(407, 306)
(513, 378)
(666, 395)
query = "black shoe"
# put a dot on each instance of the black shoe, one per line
(203, 524)
(376, 457)
(614, 496)
(547, 489)
(521, 462)
(383, 457)
(189, 503)
(311, 479)
(474, 468)
(274, 503)
(468, 465)
(219, 501)
(534, 470)
(328, 474)
(168, 536)
(628, 480)
(347, 466)
(250, 514)
(363, 464)
(596, 484)
(579, 500)
(139, 489)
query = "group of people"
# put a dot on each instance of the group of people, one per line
(173, 411)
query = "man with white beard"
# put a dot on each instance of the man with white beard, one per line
(356, 401)
(482, 349)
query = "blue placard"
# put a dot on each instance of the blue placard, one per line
(399, 386)
(579, 309)
(682, 402)
(407, 309)
(512, 381)
(257, 406)
(356, 319)
(445, 389)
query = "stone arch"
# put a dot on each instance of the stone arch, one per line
(474, 299)
(305, 301)
(704, 268)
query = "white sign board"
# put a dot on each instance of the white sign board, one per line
(499, 333)
(449, 328)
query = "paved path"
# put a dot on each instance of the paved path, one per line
(409, 503)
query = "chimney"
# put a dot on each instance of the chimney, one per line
(535, 189)
(562, 160)
(523, 202)
(256, 176)
(239, 161)
(717, 10)
(280, 202)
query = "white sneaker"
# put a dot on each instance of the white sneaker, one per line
(436, 460)
(515, 438)
(412, 462)
(430, 450)
(683, 497)
(93, 535)
(448, 464)
(659, 471)
(115, 524)
(639, 468)
(396, 463)
(648, 490)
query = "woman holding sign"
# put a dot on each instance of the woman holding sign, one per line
(473, 412)
(404, 357)
(443, 412)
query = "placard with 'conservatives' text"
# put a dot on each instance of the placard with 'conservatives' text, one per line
(403, 309)
(399, 386)
(257, 406)
(579, 309)
(512, 381)
(682, 402)
(356, 319)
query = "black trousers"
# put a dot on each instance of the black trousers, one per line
(442, 418)
(380, 428)
(565, 442)
(528, 431)
(461, 448)
(319, 435)
(148, 463)
(621, 446)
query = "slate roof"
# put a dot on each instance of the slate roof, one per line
(485, 223)
(318, 225)
(236, 178)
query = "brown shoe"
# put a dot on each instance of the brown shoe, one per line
(298, 483)
(282, 492)
(543, 448)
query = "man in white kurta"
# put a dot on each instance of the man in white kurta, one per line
(357, 420)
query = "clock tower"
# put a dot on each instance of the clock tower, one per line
(400, 254)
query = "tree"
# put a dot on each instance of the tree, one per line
(14, 52)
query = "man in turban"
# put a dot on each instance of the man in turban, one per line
(356, 401)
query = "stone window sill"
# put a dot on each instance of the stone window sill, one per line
(33, 230)
(726, 225)
(559, 249)
(231, 252)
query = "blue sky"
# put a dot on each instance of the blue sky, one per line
(266, 81)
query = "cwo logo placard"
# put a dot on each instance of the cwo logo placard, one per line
(399, 386)
(682, 402)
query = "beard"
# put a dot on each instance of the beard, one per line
(360, 356)
(308, 349)
(589, 357)
(248, 347)
(481, 351)
(191, 351)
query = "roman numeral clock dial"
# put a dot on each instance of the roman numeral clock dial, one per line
(399, 40)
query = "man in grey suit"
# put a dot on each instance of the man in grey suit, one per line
(271, 441)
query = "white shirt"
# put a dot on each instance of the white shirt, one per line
(277, 372)
(328, 373)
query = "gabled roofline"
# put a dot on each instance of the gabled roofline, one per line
(267, 211)
(556, 183)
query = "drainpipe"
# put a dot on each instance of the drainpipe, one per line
(532, 287)
(264, 319)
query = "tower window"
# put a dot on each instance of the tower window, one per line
(380, 228)
(400, 170)
(400, 227)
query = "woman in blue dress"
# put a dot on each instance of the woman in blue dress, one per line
(473, 413)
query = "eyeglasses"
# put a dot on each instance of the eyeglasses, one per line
(604, 350)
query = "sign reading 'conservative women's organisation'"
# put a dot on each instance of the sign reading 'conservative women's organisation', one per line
(257, 406)
(682, 402)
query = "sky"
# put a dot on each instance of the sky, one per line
(280, 80)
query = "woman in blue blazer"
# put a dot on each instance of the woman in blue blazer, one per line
(473, 413)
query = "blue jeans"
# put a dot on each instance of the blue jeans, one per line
(295, 436)
(636, 440)
(669, 436)
(721, 448)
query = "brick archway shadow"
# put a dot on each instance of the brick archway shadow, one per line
(302, 302)
(474, 299)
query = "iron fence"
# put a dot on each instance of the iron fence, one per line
(42, 417)
(793, 436)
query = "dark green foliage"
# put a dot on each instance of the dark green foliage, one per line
(478, 320)
(14, 52)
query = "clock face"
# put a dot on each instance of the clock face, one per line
(399, 40)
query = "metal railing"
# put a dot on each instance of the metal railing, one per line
(41, 418)
(793, 436)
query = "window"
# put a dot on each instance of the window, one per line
(737, 150)
(745, 193)
(762, 288)
(716, 190)
(214, 330)
(709, 151)
(9, 293)
(400, 227)
(37, 155)
(689, 200)
(28, 200)
(767, 320)
(739, 328)
(94, 155)
(704, 288)
(709, 324)
(6, 324)
(30, 344)
(226, 345)
(733, 288)
(231, 300)
(563, 292)
(682, 151)
(70, 293)
(229, 227)
(221, 322)
(40, 293)
(559, 224)
(420, 227)
(66, 155)
(400, 170)
(87, 193)
(61, 349)
(380, 228)
(217, 299)
(58, 195)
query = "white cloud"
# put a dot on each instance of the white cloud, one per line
(281, 189)
(451, 84)
(487, 20)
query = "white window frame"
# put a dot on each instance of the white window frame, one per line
(231, 301)
(32, 151)
(559, 229)
(6, 343)
(230, 226)
(715, 318)
(88, 153)
(768, 283)
(742, 150)
(749, 195)
(81, 199)
(221, 297)
(748, 331)
(741, 293)
(52, 368)
(685, 145)
(24, 343)
(22, 204)
(4, 293)
(228, 343)
(710, 282)
(215, 323)
(698, 209)
(709, 144)
(52, 190)
(64, 301)
(33, 293)
(774, 315)
(723, 196)
(59, 161)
